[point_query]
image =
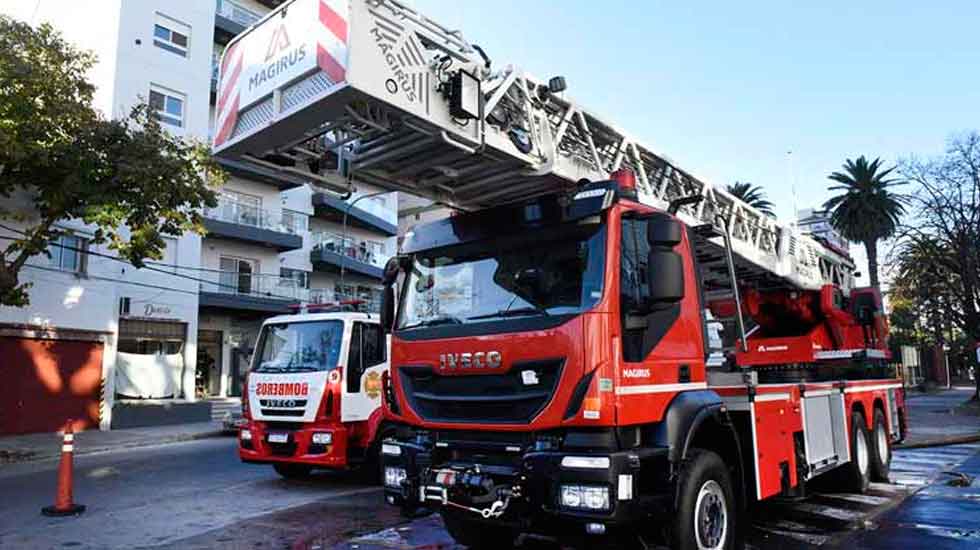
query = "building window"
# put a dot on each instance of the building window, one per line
(170, 254)
(167, 106)
(68, 253)
(238, 275)
(294, 278)
(171, 35)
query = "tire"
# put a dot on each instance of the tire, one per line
(855, 476)
(881, 448)
(706, 510)
(478, 534)
(373, 469)
(293, 471)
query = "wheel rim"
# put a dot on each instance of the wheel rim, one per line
(861, 450)
(710, 516)
(884, 451)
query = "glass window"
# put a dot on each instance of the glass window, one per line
(171, 35)
(299, 347)
(554, 271)
(67, 253)
(167, 106)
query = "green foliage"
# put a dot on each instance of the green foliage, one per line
(753, 195)
(865, 210)
(60, 159)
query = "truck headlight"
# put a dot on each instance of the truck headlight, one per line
(390, 449)
(394, 476)
(586, 462)
(585, 497)
(246, 435)
(323, 438)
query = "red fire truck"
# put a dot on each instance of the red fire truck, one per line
(313, 393)
(551, 345)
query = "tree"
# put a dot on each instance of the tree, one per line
(866, 210)
(946, 211)
(753, 195)
(60, 159)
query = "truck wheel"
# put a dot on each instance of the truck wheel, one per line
(881, 457)
(293, 471)
(706, 505)
(476, 534)
(856, 474)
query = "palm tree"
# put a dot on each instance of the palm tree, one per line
(866, 210)
(753, 195)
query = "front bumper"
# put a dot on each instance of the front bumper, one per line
(298, 447)
(536, 476)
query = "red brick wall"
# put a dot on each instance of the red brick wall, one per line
(45, 382)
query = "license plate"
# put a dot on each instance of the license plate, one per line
(278, 438)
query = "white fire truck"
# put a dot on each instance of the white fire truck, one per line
(552, 369)
(313, 393)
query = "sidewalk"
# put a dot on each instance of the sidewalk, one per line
(940, 418)
(22, 448)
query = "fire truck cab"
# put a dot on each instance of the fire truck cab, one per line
(314, 393)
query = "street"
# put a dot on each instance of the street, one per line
(197, 494)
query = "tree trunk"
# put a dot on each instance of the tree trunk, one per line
(871, 248)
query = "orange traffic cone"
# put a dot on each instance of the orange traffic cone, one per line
(63, 505)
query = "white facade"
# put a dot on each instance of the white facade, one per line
(164, 52)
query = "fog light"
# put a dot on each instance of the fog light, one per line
(246, 435)
(394, 476)
(595, 528)
(390, 499)
(585, 497)
(391, 450)
(322, 438)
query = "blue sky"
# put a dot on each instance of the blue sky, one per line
(727, 88)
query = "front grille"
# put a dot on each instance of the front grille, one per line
(282, 449)
(276, 425)
(497, 398)
(283, 412)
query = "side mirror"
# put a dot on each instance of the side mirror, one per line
(387, 316)
(663, 230)
(665, 267)
(665, 276)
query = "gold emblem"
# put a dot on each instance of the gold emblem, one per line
(372, 384)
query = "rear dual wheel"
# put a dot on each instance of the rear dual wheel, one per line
(881, 455)
(855, 476)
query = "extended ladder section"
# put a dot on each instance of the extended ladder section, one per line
(343, 91)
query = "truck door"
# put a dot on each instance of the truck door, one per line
(361, 393)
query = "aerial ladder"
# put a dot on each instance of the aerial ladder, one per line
(344, 91)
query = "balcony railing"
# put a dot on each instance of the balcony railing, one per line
(248, 214)
(362, 250)
(255, 285)
(237, 13)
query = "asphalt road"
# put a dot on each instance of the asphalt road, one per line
(198, 495)
(153, 496)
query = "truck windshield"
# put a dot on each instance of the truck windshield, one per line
(299, 347)
(546, 272)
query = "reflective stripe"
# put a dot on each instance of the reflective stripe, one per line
(69, 438)
(659, 388)
(854, 389)
(771, 397)
(67, 448)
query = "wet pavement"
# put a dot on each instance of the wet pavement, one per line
(943, 515)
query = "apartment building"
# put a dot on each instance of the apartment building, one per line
(816, 223)
(150, 346)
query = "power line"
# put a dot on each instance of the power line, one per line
(149, 268)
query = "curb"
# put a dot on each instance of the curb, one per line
(940, 442)
(130, 445)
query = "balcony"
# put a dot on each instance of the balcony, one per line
(231, 18)
(250, 292)
(364, 214)
(331, 252)
(261, 174)
(253, 225)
